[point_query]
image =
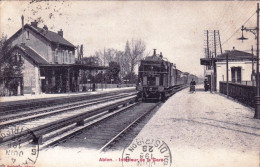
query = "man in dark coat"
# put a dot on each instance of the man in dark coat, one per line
(206, 85)
(192, 85)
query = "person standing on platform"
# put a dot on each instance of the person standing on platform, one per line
(192, 85)
(206, 85)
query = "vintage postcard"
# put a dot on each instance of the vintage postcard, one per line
(129, 83)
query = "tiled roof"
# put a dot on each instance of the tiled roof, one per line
(50, 36)
(31, 54)
(235, 55)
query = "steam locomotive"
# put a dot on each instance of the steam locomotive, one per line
(158, 78)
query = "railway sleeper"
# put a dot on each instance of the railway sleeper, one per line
(80, 123)
(37, 140)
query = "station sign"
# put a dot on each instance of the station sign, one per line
(209, 72)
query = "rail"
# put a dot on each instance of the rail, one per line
(8, 107)
(46, 128)
(128, 127)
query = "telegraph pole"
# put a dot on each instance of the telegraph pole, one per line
(219, 43)
(214, 70)
(255, 31)
(257, 108)
(208, 42)
(253, 73)
(227, 72)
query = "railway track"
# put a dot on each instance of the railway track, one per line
(29, 105)
(105, 130)
(12, 119)
(109, 131)
(43, 126)
(53, 130)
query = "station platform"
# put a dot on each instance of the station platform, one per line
(206, 130)
(28, 97)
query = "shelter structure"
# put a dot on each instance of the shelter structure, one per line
(241, 67)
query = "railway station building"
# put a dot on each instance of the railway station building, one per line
(241, 68)
(48, 60)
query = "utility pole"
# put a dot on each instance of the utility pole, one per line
(253, 71)
(227, 73)
(214, 68)
(208, 42)
(219, 43)
(255, 31)
(211, 83)
(257, 108)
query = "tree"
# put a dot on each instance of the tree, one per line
(127, 59)
(10, 68)
(130, 78)
(92, 60)
(135, 51)
(113, 72)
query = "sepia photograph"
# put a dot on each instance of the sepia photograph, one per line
(114, 83)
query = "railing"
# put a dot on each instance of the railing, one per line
(243, 93)
(249, 83)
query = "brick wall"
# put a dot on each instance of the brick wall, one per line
(30, 75)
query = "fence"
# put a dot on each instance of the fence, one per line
(249, 83)
(243, 93)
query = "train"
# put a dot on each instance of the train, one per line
(158, 78)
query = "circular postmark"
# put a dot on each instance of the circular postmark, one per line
(147, 153)
(14, 149)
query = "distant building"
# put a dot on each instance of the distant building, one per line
(240, 69)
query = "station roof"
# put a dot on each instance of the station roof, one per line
(30, 53)
(48, 35)
(234, 55)
(78, 66)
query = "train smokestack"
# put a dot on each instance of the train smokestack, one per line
(154, 52)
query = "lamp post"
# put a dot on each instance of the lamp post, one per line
(255, 31)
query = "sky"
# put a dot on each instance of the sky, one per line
(175, 28)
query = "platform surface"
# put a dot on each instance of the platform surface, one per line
(206, 130)
(44, 95)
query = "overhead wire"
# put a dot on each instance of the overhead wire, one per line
(238, 29)
(240, 16)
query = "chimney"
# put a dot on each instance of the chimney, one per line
(45, 27)
(22, 30)
(60, 33)
(161, 56)
(154, 52)
(34, 24)
(233, 47)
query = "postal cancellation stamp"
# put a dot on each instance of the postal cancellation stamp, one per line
(14, 150)
(147, 153)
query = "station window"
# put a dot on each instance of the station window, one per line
(63, 56)
(56, 56)
(70, 56)
(144, 80)
(27, 35)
